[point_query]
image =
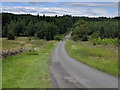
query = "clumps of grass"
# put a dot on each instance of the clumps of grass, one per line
(32, 52)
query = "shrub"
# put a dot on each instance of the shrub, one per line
(95, 35)
(32, 53)
(84, 38)
(75, 38)
(57, 38)
(104, 41)
(30, 39)
(11, 37)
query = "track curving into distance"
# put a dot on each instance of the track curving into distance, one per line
(67, 72)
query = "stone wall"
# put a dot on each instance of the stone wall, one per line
(4, 54)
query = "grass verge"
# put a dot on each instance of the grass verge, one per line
(0, 73)
(28, 69)
(100, 57)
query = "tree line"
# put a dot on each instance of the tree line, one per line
(97, 31)
(49, 28)
(43, 27)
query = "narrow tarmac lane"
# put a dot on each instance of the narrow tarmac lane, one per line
(66, 72)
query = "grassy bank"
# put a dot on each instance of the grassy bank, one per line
(104, 58)
(28, 69)
(26, 42)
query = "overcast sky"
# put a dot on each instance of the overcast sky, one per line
(91, 9)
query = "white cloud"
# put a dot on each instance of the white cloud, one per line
(52, 11)
(35, 10)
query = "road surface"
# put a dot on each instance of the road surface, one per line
(67, 72)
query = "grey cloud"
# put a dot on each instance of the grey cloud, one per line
(28, 0)
(49, 12)
(92, 13)
(37, 3)
(87, 4)
(60, 1)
